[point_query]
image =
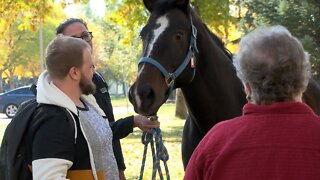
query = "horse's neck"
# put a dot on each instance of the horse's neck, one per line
(215, 93)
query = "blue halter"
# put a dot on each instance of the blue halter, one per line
(170, 77)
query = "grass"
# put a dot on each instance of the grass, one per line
(132, 147)
(119, 101)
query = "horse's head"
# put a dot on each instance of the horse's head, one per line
(169, 43)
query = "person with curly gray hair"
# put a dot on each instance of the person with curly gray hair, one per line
(277, 136)
(273, 66)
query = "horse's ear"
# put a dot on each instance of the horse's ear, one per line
(182, 3)
(149, 4)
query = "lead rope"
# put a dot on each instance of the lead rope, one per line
(160, 154)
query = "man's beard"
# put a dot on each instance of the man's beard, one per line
(87, 87)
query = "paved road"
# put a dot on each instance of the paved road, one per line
(4, 119)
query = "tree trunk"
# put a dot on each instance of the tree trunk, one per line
(41, 45)
(34, 78)
(1, 85)
(10, 75)
(181, 108)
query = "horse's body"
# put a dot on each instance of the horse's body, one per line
(213, 93)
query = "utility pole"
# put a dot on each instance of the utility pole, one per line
(41, 45)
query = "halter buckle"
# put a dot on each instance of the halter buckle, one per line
(170, 79)
(193, 43)
(194, 31)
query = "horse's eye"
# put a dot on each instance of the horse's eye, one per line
(179, 35)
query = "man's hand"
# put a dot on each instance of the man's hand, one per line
(144, 123)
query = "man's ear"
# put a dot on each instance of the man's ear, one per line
(74, 73)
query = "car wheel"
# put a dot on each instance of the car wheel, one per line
(11, 110)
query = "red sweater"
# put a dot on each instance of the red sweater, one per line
(276, 142)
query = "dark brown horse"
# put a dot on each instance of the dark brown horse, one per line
(179, 51)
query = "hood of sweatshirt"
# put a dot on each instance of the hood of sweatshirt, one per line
(48, 93)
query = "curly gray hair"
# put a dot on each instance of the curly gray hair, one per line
(274, 64)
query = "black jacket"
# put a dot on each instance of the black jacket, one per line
(17, 150)
(67, 141)
(120, 128)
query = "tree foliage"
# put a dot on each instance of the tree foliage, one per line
(117, 58)
(29, 12)
(302, 18)
(20, 49)
(128, 16)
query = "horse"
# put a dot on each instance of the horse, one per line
(179, 51)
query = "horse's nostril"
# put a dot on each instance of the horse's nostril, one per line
(130, 95)
(146, 96)
(146, 93)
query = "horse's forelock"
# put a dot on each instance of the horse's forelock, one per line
(164, 6)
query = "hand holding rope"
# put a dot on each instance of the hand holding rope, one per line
(161, 152)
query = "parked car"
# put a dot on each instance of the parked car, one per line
(11, 100)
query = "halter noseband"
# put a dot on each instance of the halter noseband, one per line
(170, 77)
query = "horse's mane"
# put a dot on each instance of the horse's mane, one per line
(219, 42)
(215, 38)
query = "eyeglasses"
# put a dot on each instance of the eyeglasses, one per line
(87, 36)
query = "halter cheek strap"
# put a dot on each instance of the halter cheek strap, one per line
(170, 77)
